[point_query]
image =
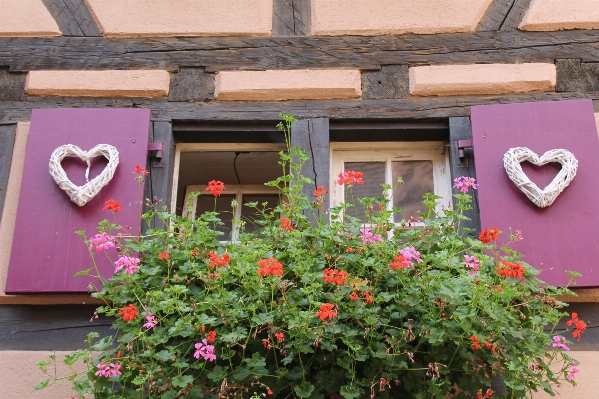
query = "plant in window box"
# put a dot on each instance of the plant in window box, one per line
(327, 307)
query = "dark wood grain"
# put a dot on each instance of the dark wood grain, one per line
(12, 85)
(515, 15)
(572, 75)
(7, 141)
(408, 108)
(160, 179)
(460, 129)
(291, 18)
(191, 84)
(495, 15)
(390, 82)
(60, 327)
(256, 53)
(73, 17)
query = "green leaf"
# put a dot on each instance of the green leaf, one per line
(304, 390)
(350, 392)
(164, 355)
(42, 385)
(217, 374)
(83, 272)
(182, 381)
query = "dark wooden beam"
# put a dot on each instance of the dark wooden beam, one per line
(406, 108)
(7, 141)
(191, 84)
(255, 53)
(390, 82)
(572, 75)
(60, 327)
(495, 15)
(291, 18)
(73, 17)
(515, 15)
(12, 85)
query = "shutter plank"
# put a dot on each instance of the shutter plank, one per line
(7, 142)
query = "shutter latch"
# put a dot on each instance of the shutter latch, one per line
(155, 150)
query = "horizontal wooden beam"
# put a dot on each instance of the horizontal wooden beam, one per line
(406, 108)
(255, 53)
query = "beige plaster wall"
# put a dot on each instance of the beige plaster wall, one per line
(19, 375)
(26, 18)
(7, 226)
(586, 380)
(183, 17)
(392, 17)
(548, 15)
(114, 83)
(276, 85)
(448, 80)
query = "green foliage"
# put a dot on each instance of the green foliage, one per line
(395, 329)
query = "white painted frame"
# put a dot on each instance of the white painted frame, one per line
(198, 147)
(388, 152)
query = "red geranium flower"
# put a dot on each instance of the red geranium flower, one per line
(164, 255)
(271, 267)
(112, 205)
(320, 191)
(326, 312)
(216, 187)
(216, 260)
(212, 336)
(475, 344)
(280, 336)
(140, 170)
(581, 326)
(129, 312)
(333, 276)
(285, 224)
(487, 235)
(509, 269)
(350, 177)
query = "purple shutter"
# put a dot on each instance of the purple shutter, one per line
(565, 235)
(45, 251)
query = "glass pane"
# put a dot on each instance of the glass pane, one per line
(249, 214)
(418, 180)
(223, 205)
(374, 176)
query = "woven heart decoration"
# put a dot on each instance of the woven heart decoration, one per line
(545, 197)
(81, 195)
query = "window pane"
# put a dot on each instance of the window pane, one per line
(418, 180)
(223, 205)
(250, 214)
(374, 176)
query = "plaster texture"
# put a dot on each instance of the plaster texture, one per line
(20, 375)
(392, 17)
(26, 18)
(306, 84)
(448, 80)
(183, 17)
(548, 15)
(7, 226)
(136, 83)
(586, 380)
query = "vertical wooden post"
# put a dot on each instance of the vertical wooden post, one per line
(160, 179)
(7, 142)
(460, 129)
(313, 136)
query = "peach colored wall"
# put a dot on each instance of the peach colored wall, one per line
(392, 17)
(114, 83)
(7, 225)
(19, 375)
(447, 80)
(547, 15)
(183, 17)
(586, 380)
(288, 85)
(26, 18)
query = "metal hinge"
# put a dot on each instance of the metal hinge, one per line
(156, 150)
(461, 145)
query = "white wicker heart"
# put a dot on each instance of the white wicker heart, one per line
(81, 195)
(541, 198)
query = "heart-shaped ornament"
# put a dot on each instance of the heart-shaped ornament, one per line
(545, 197)
(81, 195)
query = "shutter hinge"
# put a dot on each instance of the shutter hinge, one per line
(155, 150)
(461, 145)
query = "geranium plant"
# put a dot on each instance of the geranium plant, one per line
(318, 304)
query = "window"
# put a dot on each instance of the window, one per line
(244, 168)
(423, 166)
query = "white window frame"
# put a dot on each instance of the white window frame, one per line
(435, 151)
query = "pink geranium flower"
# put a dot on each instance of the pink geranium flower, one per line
(410, 254)
(463, 182)
(101, 242)
(130, 264)
(560, 342)
(108, 371)
(151, 321)
(204, 350)
(471, 262)
(368, 236)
